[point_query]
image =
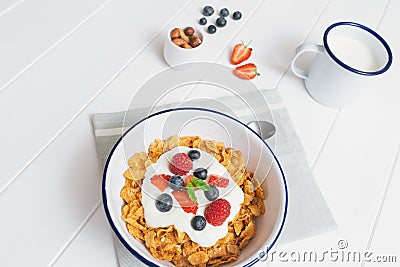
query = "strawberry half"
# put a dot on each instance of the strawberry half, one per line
(240, 53)
(186, 203)
(160, 181)
(247, 71)
(219, 181)
(188, 179)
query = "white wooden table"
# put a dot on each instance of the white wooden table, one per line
(61, 61)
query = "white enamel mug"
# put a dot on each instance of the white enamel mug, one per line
(350, 55)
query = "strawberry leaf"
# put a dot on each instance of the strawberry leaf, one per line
(190, 190)
(200, 184)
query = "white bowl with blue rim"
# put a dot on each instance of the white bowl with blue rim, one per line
(207, 124)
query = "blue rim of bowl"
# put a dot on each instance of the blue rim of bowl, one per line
(104, 196)
(344, 65)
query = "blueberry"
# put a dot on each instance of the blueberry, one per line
(198, 222)
(200, 173)
(212, 194)
(175, 182)
(221, 22)
(203, 21)
(237, 15)
(208, 11)
(224, 12)
(194, 154)
(164, 202)
(211, 29)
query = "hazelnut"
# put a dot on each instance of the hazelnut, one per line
(189, 31)
(179, 41)
(175, 33)
(184, 36)
(195, 41)
(187, 46)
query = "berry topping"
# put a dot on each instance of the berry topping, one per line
(176, 182)
(165, 176)
(217, 212)
(219, 181)
(237, 15)
(221, 22)
(188, 179)
(160, 181)
(198, 223)
(208, 10)
(224, 12)
(194, 154)
(164, 202)
(247, 71)
(200, 173)
(211, 29)
(186, 203)
(212, 194)
(240, 53)
(180, 164)
(203, 21)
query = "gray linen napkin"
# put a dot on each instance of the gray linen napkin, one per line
(308, 213)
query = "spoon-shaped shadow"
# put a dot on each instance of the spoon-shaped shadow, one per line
(264, 129)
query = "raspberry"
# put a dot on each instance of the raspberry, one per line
(217, 212)
(180, 164)
(219, 181)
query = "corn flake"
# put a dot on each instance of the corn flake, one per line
(168, 243)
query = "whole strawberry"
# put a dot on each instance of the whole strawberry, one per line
(217, 212)
(180, 164)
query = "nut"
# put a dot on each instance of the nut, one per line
(189, 31)
(175, 33)
(187, 46)
(184, 36)
(195, 41)
(179, 41)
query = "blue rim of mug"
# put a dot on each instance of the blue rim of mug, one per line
(341, 63)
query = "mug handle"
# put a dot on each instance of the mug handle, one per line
(299, 51)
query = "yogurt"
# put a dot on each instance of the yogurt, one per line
(177, 216)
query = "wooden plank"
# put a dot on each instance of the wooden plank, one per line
(86, 251)
(383, 238)
(8, 5)
(33, 28)
(313, 121)
(58, 194)
(73, 193)
(53, 91)
(118, 94)
(274, 37)
(354, 162)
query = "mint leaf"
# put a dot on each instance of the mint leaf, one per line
(190, 190)
(200, 184)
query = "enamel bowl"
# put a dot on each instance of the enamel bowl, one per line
(207, 124)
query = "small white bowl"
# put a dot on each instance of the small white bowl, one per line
(207, 124)
(175, 55)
